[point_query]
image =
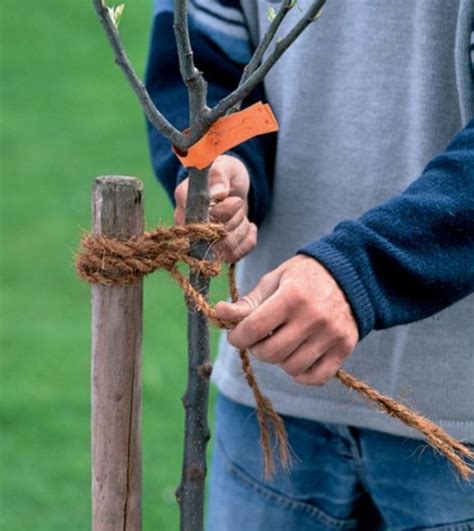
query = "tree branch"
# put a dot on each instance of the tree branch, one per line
(263, 45)
(121, 58)
(244, 89)
(192, 77)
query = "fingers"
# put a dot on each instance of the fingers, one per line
(247, 245)
(240, 241)
(245, 305)
(219, 184)
(270, 313)
(180, 196)
(232, 177)
(242, 235)
(325, 368)
(235, 221)
(222, 212)
(229, 184)
(307, 354)
(281, 345)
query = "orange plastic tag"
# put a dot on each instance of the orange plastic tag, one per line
(228, 132)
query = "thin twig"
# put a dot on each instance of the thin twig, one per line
(192, 77)
(263, 45)
(121, 58)
(259, 74)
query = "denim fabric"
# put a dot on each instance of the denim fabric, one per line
(343, 478)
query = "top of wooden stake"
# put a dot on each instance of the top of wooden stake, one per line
(117, 206)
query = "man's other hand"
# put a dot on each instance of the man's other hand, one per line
(229, 184)
(296, 317)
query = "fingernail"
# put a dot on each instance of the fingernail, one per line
(216, 189)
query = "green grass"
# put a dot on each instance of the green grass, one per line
(67, 115)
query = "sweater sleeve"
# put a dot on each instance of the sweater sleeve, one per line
(412, 256)
(221, 48)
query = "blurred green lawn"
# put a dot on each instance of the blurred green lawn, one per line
(67, 115)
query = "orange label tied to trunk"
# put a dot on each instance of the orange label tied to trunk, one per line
(228, 132)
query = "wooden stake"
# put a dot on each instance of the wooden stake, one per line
(116, 368)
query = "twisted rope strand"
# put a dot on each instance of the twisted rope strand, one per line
(110, 261)
(436, 437)
(268, 419)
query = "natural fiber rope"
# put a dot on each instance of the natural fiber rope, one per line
(110, 261)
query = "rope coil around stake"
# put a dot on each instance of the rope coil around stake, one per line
(109, 261)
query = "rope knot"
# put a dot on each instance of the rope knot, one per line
(112, 261)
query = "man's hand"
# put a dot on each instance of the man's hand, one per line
(296, 317)
(229, 184)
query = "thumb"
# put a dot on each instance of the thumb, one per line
(237, 311)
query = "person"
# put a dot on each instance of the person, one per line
(363, 204)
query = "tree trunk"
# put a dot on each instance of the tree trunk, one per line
(190, 493)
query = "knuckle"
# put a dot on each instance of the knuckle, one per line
(216, 168)
(253, 234)
(332, 330)
(324, 321)
(291, 369)
(234, 340)
(319, 381)
(246, 247)
(254, 328)
(178, 216)
(226, 209)
(313, 312)
(346, 346)
(227, 257)
(266, 280)
(180, 193)
(328, 374)
(319, 378)
(272, 357)
(231, 243)
(235, 221)
(235, 203)
(276, 353)
(301, 379)
(256, 352)
(298, 295)
(238, 254)
(338, 332)
(291, 303)
(230, 257)
(264, 354)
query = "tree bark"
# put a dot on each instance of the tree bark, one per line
(116, 368)
(191, 492)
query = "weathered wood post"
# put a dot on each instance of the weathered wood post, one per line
(116, 381)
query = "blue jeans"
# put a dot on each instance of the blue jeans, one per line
(343, 478)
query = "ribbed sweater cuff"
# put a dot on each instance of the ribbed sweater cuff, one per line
(348, 279)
